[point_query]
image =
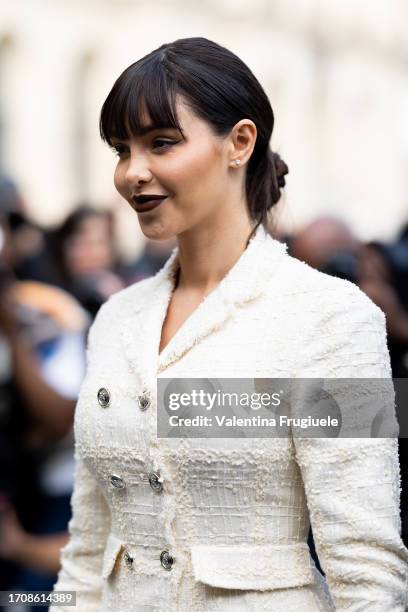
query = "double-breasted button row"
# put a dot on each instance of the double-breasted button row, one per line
(166, 559)
(155, 481)
(104, 399)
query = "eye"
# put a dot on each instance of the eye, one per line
(163, 143)
(119, 149)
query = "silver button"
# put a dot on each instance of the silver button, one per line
(128, 559)
(117, 482)
(155, 482)
(103, 397)
(144, 401)
(166, 560)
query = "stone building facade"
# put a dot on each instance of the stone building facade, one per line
(336, 73)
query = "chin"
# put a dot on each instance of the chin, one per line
(156, 231)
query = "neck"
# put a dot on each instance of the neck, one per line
(205, 257)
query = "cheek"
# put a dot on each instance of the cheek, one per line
(191, 170)
(118, 179)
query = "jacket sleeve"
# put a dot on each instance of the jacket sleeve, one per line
(81, 558)
(352, 485)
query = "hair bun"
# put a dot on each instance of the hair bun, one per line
(281, 169)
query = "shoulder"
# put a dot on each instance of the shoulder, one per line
(320, 295)
(340, 331)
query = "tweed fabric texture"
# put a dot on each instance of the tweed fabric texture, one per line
(233, 513)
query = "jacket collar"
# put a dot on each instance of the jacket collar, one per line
(244, 282)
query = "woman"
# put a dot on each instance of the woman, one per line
(84, 253)
(221, 524)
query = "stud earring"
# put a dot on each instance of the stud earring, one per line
(237, 162)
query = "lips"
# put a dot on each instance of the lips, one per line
(146, 202)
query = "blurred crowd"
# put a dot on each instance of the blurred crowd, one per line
(52, 283)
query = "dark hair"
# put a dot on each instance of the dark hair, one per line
(220, 89)
(57, 239)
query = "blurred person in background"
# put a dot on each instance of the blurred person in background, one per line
(153, 257)
(320, 240)
(86, 262)
(377, 275)
(28, 252)
(34, 552)
(42, 337)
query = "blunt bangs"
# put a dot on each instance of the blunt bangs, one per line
(145, 88)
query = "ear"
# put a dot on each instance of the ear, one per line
(242, 142)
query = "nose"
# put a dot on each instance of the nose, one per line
(137, 171)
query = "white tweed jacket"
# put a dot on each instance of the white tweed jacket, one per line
(221, 524)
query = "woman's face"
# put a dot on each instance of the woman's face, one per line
(90, 250)
(193, 173)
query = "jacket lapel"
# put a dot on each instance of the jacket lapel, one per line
(142, 321)
(245, 282)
